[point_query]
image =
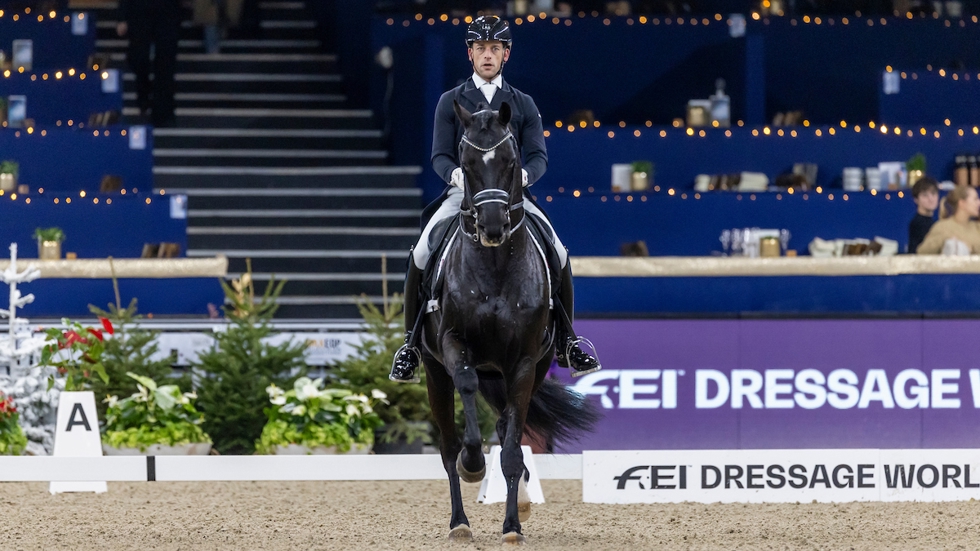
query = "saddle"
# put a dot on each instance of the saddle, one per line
(442, 236)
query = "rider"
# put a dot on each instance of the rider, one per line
(488, 42)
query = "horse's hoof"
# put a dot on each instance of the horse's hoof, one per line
(461, 533)
(523, 501)
(467, 476)
(513, 538)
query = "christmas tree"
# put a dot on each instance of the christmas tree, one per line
(235, 373)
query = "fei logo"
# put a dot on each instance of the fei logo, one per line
(657, 390)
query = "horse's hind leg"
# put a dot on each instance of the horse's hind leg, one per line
(441, 401)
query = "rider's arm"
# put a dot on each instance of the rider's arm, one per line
(532, 139)
(443, 138)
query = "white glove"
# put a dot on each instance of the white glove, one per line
(524, 177)
(456, 178)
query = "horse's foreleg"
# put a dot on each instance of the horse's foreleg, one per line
(472, 464)
(519, 392)
(441, 401)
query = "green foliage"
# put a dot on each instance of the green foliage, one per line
(916, 162)
(12, 439)
(236, 371)
(645, 167)
(48, 234)
(153, 415)
(130, 350)
(9, 167)
(368, 368)
(76, 352)
(312, 416)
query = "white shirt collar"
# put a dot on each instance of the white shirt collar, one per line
(479, 82)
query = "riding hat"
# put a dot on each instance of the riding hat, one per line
(487, 28)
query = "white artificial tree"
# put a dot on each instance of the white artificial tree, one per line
(20, 375)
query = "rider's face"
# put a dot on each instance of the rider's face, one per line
(487, 58)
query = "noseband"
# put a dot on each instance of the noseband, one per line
(492, 195)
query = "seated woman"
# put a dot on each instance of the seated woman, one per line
(957, 214)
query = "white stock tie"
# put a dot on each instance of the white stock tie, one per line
(488, 89)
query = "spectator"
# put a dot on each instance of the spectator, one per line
(153, 24)
(925, 193)
(957, 229)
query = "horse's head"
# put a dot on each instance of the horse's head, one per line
(492, 168)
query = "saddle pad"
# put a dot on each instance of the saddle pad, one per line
(439, 239)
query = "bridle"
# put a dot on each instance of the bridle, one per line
(492, 195)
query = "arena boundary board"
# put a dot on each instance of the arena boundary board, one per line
(170, 468)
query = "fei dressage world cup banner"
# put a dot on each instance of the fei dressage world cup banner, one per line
(782, 384)
(780, 476)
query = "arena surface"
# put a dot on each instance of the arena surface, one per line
(414, 515)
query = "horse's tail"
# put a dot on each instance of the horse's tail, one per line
(556, 411)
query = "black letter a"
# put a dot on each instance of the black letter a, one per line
(77, 408)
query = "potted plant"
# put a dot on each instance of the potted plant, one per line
(156, 420)
(642, 177)
(8, 171)
(916, 168)
(76, 352)
(49, 243)
(12, 439)
(311, 419)
(406, 420)
(242, 364)
(131, 349)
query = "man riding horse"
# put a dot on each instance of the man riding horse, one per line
(488, 42)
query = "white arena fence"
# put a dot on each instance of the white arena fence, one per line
(171, 468)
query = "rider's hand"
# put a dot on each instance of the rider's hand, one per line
(524, 177)
(456, 178)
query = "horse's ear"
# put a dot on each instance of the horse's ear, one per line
(462, 114)
(504, 114)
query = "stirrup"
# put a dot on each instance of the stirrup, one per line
(418, 361)
(577, 341)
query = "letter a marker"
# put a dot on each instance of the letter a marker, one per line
(77, 435)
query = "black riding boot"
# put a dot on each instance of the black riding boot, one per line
(408, 357)
(567, 343)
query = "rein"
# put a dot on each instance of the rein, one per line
(493, 195)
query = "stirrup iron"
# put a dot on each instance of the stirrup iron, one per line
(415, 374)
(577, 341)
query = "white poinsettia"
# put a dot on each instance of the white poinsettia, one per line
(378, 395)
(307, 389)
(299, 410)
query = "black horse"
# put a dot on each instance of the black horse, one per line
(494, 330)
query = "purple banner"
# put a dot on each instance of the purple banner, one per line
(737, 384)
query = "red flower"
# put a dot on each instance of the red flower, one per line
(71, 337)
(97, 333)
(107, 325)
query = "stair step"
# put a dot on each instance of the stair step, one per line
(192, 178)
(247, 62)
(304, 217)
(268, 118)
(300, 139)
(269, 158)
(205, 100)
(323, 307)
(301, 202)
(341, 287)
(301, 238)
(227, 46)
(260, 83)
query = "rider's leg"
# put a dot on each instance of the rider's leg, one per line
(408, 358)
(567, 342)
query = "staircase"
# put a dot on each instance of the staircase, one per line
(277, 168)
